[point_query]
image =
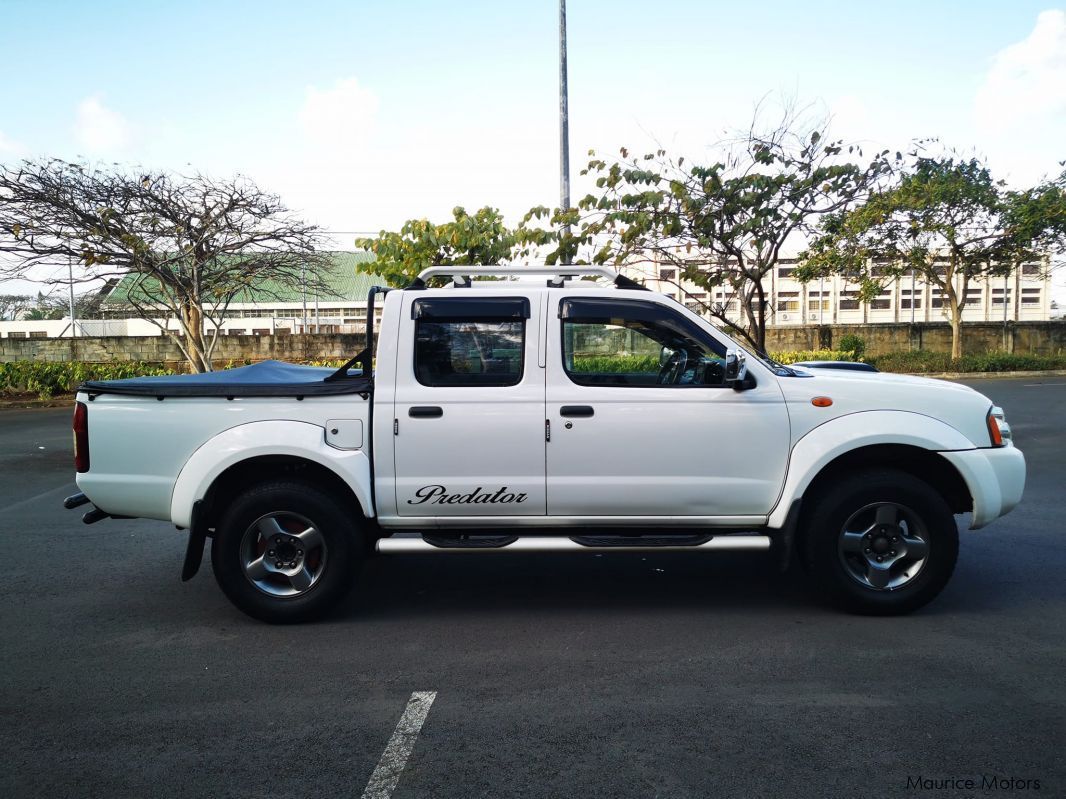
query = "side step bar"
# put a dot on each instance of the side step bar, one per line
(410, 544)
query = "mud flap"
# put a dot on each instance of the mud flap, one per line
(194, 552)
(785, 540)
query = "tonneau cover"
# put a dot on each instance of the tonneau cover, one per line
(264, 379)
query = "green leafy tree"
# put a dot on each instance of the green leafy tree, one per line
(723, 224)
(13, 305)
(949, 221)
(478, 239)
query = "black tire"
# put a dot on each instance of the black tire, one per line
(338, 552)
(837, 570)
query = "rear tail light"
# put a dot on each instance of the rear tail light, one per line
(81, 437)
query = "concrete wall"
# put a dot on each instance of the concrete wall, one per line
(1042, 338)
(1038, 338)
(160, 349)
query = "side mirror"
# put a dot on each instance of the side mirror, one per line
(736, 367)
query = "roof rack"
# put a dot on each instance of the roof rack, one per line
(461, 275)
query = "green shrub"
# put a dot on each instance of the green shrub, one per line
(616, 364)
(48, 378)
(852, 343)
(925, 362)
(795, 356)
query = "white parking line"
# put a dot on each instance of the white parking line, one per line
(394, 759)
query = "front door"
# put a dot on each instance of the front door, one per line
(469, 412)
(643, 424)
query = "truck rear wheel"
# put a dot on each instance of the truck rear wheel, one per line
(286, 552)
(880, 542)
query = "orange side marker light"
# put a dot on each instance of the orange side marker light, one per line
(821, 402)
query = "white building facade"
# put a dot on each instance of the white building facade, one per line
(1023, 296)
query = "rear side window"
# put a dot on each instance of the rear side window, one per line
(469, 341)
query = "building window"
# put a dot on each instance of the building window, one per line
(667, 274)
(785, 271)
(1030, 300)
(906, 303)
(1031, 269)
(17, 334)
(880, 304)
(849, 301)
(788, 301)
(263, 331)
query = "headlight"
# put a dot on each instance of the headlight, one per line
(998, 429)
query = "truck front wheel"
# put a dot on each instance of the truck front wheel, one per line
(880, 542)
(286, 552)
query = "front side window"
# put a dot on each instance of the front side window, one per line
(609, 342)
(469, 341)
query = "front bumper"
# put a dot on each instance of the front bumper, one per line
(995, 477)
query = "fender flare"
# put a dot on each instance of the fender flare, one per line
(825, 443)
(258, 439)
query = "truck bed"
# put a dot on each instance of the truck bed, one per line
(265, 379)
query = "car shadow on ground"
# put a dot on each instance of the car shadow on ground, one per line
(612, 583)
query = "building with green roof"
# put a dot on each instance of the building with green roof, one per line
(272, 308)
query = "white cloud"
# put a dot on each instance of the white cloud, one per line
(1027, 80)
(99, 129)
(338, 122)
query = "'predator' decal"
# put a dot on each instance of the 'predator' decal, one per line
(438, 495)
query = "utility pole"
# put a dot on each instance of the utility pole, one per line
(70, 286)
(564, 116)
(303, 289)
(912, 296)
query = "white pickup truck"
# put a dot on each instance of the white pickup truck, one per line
(554, 410)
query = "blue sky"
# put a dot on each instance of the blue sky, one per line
(363, 114)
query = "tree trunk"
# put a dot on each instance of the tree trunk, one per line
(956, 334)
(195, 347)
(760, 316)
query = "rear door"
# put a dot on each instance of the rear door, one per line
(469, 407)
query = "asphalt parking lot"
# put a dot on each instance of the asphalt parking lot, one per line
(576, 676)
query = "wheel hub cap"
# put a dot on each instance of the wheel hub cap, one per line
(283, 554)
(883, 546)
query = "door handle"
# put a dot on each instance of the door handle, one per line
(425, 411)
(576, 410)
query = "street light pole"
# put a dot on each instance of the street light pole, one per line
(70, 286)
(564, 116)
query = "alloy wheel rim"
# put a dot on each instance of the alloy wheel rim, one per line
(283, 554)
(883, 546)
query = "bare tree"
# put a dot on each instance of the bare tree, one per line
(187, 246)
